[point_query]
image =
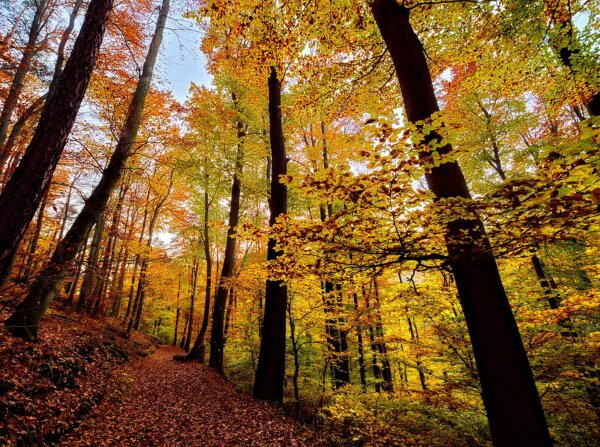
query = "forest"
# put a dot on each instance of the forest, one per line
(368, 223)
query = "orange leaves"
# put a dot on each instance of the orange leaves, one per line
(169, 403)
(48, 386)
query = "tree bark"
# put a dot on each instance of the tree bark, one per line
(7, 149)
(87, 285)
(227, 270)
(361, 351)
(72, 286)
(29, 257)
(190, 324)
(18, 81)
(198, 349)
(509, 394)
(25, 319)
(337, 337)
(567, 48)
(270, 371)
(26, 187)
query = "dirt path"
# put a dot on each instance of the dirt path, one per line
(159, 402)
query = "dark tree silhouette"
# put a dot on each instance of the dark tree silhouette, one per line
(20, 198)
(270, 372)
(25, 319)
(509, 394)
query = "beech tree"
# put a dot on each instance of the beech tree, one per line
(270, 371)
(392, 273)
(22, 194)
(217, 342)
(25, 319)
(11, 101)
(512, 401)
(7, 146)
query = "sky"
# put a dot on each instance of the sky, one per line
(181, 61)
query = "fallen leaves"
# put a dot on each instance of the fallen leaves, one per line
(77, 378)
(48, 386)
(170, 403)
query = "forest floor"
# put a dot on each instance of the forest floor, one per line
(168, 403)
(48, 387)
(84, 384)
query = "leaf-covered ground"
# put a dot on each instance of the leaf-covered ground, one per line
(47, 387)
(160, 402)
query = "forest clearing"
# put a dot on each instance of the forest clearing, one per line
(300, 223)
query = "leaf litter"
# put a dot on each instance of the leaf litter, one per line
(159, 402)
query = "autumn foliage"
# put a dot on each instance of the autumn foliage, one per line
(342, 221)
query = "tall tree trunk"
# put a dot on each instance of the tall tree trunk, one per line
(374, 359)
(182, 341)
(296, 351)
(227, 270)
(414, 337)
(387, 382)
(379, 353)
(175, 331)
(87, 285)
(29, 257)
(228, 317)
(71, 286)
(270, 371)
(495, 161)
(116, 292)
(337, 337)
(109, 254)
(136, 316)
(361, 351)
(509, 394)
(190, 322)
(198, 349)
(177, 314)
(568, 50)
(548, 285)
(7, 148)
(63, 223)
(337, 343)
(116, 288)
(7, 151)
(25, 319)
(18, 81)
(22, 194)
(99, 301)
(95, 297)
(114, 296)
(136, 263)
